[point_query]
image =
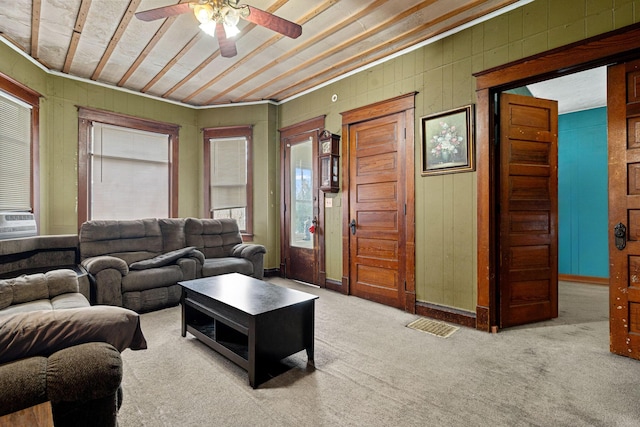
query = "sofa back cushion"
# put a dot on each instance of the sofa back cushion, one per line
(39, 286)
(111, 237)
(172, 233)
(213, 237)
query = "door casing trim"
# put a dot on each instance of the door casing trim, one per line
(604, 49)
(313, 125)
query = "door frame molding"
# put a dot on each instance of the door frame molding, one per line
(399, 104)
(314, 125)
(604, 49)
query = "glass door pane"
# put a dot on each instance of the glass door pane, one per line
(301, 194)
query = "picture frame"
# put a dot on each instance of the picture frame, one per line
(448, 144)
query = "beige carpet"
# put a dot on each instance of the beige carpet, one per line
(372, 370)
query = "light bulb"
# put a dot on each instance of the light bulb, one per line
(232, 17)
(231, 30)
(203, 12)
(209, 28)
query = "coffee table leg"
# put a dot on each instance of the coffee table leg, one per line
(309, 333)
(184, 317)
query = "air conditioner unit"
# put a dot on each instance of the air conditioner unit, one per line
(17, 224)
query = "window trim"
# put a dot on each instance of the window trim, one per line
(31, 97)
(245, 131)
(86, 116)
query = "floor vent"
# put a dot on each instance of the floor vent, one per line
(433, 327)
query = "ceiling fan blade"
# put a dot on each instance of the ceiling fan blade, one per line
(273, 22)
(227, 46)
(164, 12)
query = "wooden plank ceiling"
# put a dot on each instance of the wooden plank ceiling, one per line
(172, 58)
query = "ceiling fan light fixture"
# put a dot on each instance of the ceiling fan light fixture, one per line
(203, 12)
(209, 28)
(230, 22)
(231, 30)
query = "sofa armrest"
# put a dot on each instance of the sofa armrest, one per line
(22, 384)
(96, 264)
(254, 253)
(247, 250)
(34, 380)
(100, 375)
(189, 267)
(105, 277)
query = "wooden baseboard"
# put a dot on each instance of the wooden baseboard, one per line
(334, 285)
(271, 272)
(447, 314)
(604, 281)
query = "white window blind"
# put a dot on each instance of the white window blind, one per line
(15, 154)
(229, 178)
(129, 173)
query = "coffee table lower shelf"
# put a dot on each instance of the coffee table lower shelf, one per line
(232, 344)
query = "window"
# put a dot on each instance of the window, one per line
(127, 167)
(19, 117)
(228, 176)
(122, 156)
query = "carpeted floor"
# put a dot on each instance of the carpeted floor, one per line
(372, 370)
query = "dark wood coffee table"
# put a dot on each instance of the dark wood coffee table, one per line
(252, 323)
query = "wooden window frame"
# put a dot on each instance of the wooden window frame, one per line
(31, 97)
(86, 116)
(244, 131)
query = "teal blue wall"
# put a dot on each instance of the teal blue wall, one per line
(582, 193)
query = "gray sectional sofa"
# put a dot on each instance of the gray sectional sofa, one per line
(136, 264)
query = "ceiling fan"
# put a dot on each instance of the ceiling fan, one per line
(219, 18)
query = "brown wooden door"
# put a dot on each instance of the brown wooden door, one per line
(377, 209)
(301, 207)
(623, 105)
(528, 210)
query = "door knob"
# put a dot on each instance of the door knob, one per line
(620, 234)
(353, 226)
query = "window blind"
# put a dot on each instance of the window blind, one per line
(129, 173)
(15, 154)
(228, 173)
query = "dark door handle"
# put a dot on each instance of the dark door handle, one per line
(620, 233)
(353, 226)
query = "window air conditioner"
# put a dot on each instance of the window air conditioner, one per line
(17, 224)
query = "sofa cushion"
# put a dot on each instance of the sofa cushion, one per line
(37, 305)
(29, 287)
(217, 266)
(172, 233)
(213, 237)
(139, 280)
(33, 287)
(100, 237)
(162, 259)
(69, 300)
(61, 281)
(6, 294)
(41, 333)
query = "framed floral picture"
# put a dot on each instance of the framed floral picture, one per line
(448, 141)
